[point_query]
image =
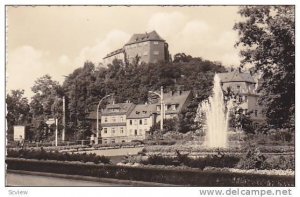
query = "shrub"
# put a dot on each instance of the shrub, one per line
(190, 177)
(55, 155)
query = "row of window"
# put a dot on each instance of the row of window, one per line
(114, 119)
(140, 44)
(168, 107)
(113, 130)
(140, 122)
(255, 112)
(132, 131)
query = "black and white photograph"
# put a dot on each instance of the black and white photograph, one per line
(150, 96)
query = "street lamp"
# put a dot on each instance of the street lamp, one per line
(97, 135)
(162, 114)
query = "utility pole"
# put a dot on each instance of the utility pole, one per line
(64, 119)
(56, 131)
(97, 126)
(162, 114)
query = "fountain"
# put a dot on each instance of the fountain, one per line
(217, 117)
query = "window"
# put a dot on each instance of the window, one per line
(130, 122)
(141, 122)
(238, 87)
(121, 119)
(105, 119)
(135, 122)
(113, 141)
(156, 43)
(113, 119)
(245, 98)
(113, 130)
(156, 52)
(145, 121)
(105, 130)
(255, 113)
(158, 108)
(135, 132)
(240, 99)
(141, 131)
(173, 107)
(121, 130)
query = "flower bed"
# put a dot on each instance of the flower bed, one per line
(188, 177)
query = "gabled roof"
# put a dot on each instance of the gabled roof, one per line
(236, 76)
(142, 111)
(153, 36)
(122, 109)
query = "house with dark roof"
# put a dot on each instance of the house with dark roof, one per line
(147, 47)
(113, 122)
(244, 86)
(124, 122)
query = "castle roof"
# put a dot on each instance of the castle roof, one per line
(114, 53)
(136, 38)
(235, 76)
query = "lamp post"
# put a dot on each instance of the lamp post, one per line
(64, 119)
(97, 126)
(162, 113)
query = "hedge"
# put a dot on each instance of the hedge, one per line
(55, 155)
(188, 177)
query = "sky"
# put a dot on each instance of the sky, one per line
(55, 40)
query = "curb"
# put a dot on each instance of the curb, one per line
(130, 183)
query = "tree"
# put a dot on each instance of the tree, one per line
(17, 109)
(267, 39)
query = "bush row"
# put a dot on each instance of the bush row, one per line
(55, 155)
(186, 177)
(200, 162)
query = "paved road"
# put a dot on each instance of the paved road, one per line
(13, 179)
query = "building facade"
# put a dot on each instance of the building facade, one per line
(244, 87)
(124, 122)
(147, 48)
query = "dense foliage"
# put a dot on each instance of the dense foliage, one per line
(267, 39)
(55, 155)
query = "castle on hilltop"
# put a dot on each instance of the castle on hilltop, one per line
(147, 48)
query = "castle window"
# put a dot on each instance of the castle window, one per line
(156, 43)
(156, 52)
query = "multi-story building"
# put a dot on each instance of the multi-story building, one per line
(113, 122)
(244, 86)
(147, 47)
(124, 122)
